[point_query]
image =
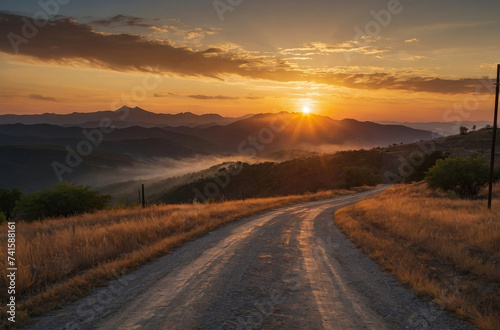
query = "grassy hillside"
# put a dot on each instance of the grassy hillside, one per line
(446, 249)
(308, 174)
(458, 145)
(61, 260)
(127, 192)
(324, 171)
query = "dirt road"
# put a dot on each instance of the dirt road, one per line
(286, 269)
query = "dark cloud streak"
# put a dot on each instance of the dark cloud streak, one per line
(42, 98)
(208, 97)
(120, 20)
(65, 40)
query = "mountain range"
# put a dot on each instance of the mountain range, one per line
(122, 117)
(30, 145)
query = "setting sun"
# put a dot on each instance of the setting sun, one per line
(306, 110)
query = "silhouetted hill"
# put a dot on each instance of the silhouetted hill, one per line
(292, 130)
(28, 152)
(268, 135)
(277, 131)
(443, 128)
(29, 168)
(325, 171)
(459, 145)
(44, 134)
(122, 117)
(307, 174)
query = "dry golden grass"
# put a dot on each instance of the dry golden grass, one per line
(61, 260)
(447, 249)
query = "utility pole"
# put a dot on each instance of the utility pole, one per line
(143, 197)
(493, 143)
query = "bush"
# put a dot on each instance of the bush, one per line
(8, 199)
(464, 176)
(3, 218)
(65, 200)
(356, 176)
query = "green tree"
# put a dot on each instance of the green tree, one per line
(465, 176)
(8, 199)
(64, 200)
(356, 176)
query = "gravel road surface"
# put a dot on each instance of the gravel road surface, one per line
(290, 268)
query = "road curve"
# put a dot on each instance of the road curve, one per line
(289, 268)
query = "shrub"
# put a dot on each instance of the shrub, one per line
(465, 176)
(8, 199)
(64, 200)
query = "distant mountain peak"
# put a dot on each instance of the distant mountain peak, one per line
(122, 108)
(135, 109)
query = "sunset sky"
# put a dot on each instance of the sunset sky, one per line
(366, 59)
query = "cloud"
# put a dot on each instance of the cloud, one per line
(188, 34)
(197, 96)
(163, 95)
(378, 81)
(42, 98)
(409, 41)
(298, 58)
(194, 33)
(323, 48)
(120, 20)
(66, 41)
(208, 97)
(179, 30)
(491, 66)
(407, 57)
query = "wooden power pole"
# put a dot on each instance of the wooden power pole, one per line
(143, 197)
(493, 143)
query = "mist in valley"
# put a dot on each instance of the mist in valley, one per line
(161, 174)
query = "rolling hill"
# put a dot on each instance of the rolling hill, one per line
(443, 128)
(281, 131)
(123, 117)
(324, 171)
(30, 150)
